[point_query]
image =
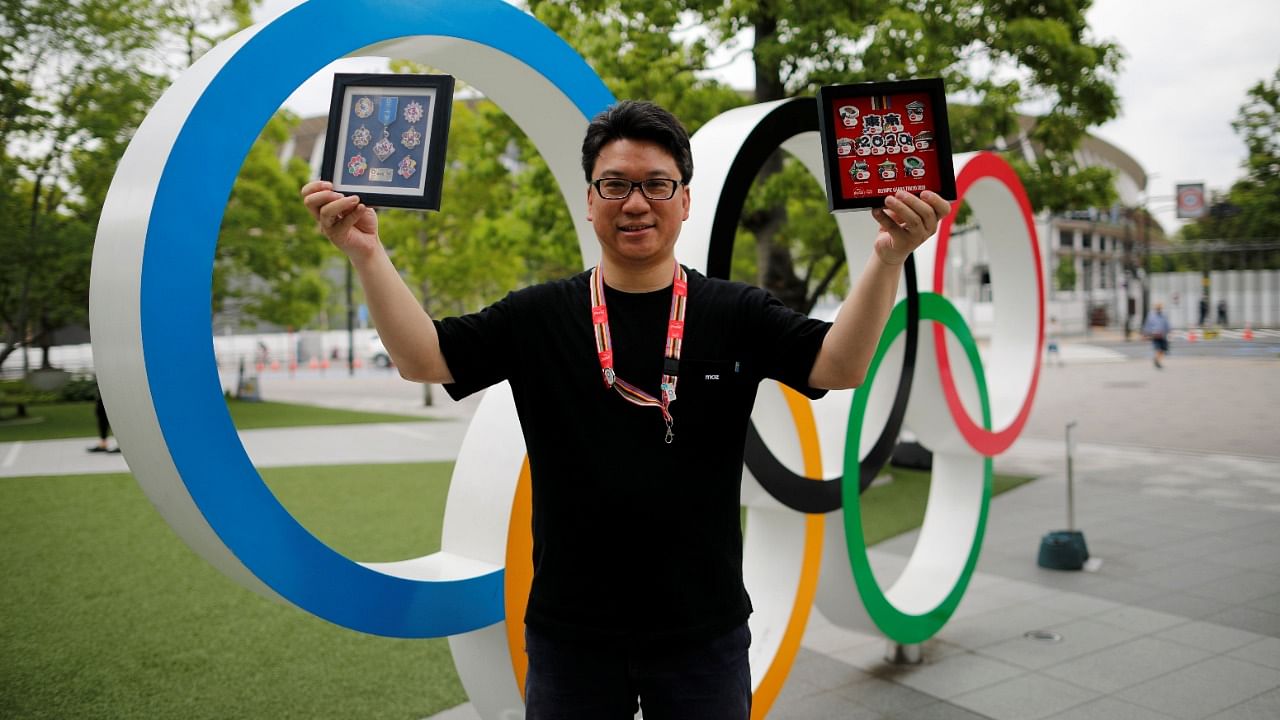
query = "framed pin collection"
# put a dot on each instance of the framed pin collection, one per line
(387, 137)
(878, 138)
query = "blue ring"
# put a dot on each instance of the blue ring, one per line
(176, 284)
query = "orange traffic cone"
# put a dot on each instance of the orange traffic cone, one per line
(313, 364)
(1191, 336)
(1248, 333)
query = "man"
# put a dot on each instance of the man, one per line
(1156, 327)
(634, 384)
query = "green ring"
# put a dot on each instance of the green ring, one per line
(895, 624)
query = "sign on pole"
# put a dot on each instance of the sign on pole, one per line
(1190, 201)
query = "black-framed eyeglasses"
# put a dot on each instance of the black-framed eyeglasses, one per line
(620, 188)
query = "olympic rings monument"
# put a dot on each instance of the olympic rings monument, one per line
(806, 461)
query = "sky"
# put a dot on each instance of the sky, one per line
(1188, 65)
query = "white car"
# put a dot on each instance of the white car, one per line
(378, 353)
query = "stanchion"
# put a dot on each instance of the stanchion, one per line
(1065, 549)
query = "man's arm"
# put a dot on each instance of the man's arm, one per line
(905, 223)
(404, 326)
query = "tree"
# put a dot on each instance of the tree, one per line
(994, 55)
(1250, 211)
(78, 78)
(269, 254)
(75, 84)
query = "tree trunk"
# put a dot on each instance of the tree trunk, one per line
(775, 270)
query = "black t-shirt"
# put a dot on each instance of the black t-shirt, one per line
(634, 539)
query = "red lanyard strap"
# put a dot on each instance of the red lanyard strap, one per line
(671, 354)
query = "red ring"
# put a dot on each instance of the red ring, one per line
(993, 442)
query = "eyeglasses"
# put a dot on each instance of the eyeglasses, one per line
(620, 188)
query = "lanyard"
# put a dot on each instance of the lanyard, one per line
(671, 354)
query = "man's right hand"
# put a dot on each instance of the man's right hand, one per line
(349, 224)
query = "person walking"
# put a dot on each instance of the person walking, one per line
(634, 383)
(1156, 327)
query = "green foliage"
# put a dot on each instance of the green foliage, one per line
(76, 79)
(470, 253)
(630, 45)
(1065, 275)
(995, 56)
(1250, 211)
(269, 254)
(810, 238)
(1060, 187)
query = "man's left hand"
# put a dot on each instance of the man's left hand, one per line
(906, 221)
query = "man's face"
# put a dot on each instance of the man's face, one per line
(637, 231)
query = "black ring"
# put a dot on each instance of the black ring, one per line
(787, 120)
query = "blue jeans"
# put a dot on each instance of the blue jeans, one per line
(569, 679)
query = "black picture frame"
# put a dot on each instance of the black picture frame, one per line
(367, 109)
(847, 152)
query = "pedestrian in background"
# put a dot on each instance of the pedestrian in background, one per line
(1156, 327)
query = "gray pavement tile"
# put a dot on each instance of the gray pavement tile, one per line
(1029, 697)
(1264, 707)
(822, 705)
(977, 602)
(1270, 603)
(1186, 575)
(886, 697)
(1209, 636)
(1144, 536)
(794, 689)
(957, 674)
(1136, 563)
(1139, 620)
(1076, 604)
(1079, 637)
(1205, 688)
(1127, 664)
(1109, 708)
(1247, 618)
(1256, 556)
(1259, 532)
(827, 638)
(826, 673)
(999, 625)
(1264, 652)
(938, 711)
(1244, 586)
(1019, 591)
(870, 657)
(1191, 607)
(1023, 567)
(1121, 591)
(1202, 519)
(1215, 547)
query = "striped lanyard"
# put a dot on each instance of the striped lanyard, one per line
(671, 356)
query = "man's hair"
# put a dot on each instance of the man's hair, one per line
(638, 120)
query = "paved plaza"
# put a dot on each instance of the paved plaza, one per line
(1177, 491)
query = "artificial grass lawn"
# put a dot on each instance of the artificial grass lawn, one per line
(105, 613)
(894, 508)
(77, 419)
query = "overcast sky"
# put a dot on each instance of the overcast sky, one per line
(1188, 65)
